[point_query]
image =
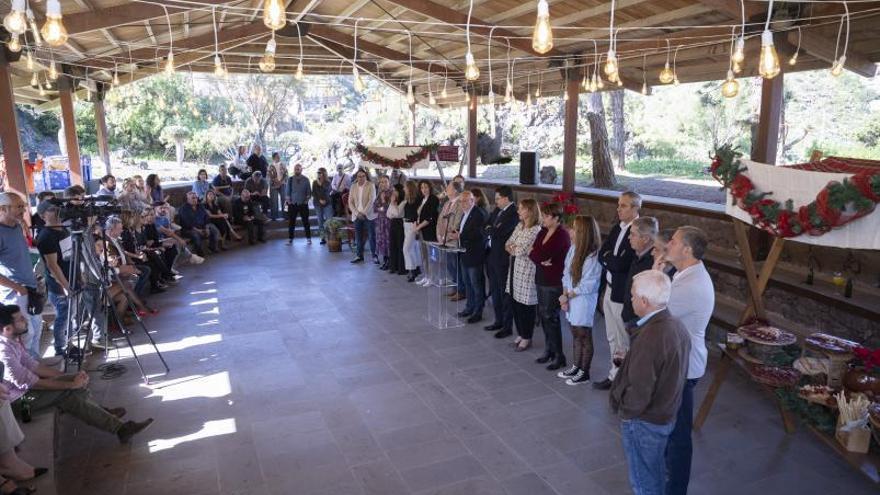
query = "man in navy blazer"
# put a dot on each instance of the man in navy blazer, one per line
(472, 239)
(616, 255)
(498, 229)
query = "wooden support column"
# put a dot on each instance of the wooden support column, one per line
(569, 150)
(412, 124)
(101, 128)
(65, 92)
(472, 133)
(15, 178)
(764, 149)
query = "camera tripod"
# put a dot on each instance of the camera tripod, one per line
(90, 293)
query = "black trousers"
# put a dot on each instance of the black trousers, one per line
(336, 202)
(501, 304)
(548, 310)
(524, 316)
(395, 247)
(256, 230)
(302, 210)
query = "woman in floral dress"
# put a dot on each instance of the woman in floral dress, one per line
(383, 223)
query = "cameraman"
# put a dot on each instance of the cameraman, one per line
(17, 281)
(54, 244)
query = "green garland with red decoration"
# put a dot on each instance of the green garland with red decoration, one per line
(406, 162)
(567, 205)
(837, 204)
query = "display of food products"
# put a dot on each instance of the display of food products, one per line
(819, 394)
(830, 344)
(766, 335)
(775, 376)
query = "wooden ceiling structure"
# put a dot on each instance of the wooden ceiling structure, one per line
(424, 41)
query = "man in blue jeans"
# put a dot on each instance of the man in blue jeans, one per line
(647, 389)
(54, 244)
(473, 240)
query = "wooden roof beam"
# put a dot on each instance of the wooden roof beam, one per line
(120, 15)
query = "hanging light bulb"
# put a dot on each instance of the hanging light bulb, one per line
(444, 94)
(299, 71)
(594, 86)
(739, 53)
(666, 75)
(358, 81)
(274, 16)
(737, 67)
(600, 84)
(611, 65)
(53, 30)
(53, 70)
(676, 82)
(14, 45)
(410, 96)
(768, 66)
(267, 62)
(837, 66)
(34, 80)
(115, 77)
(35, 32)
(564, 95)
(491, 97)
(218, 67)
(644, 89)
(529, 100)
(730, 87)
(542, 36)
(538, 92)
(30, 61)
(431, 99)
(619, 82)
(15, 21)
(793, 59)
(169, 64)
(471, 72)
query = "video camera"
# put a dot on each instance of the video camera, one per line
(86, 207)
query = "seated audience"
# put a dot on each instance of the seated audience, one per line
(580, 295)
(248, 213)
(222, 185)
(219, 219)
(47, 388)
(165, 227)
(201, 185)
(166, 247)
(130, 198)
(647, 389)
(12, 467)
(259, 189)
(196, 226)
(257, 163)
(108, 186)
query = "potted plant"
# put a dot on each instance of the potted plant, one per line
(864, 373)
(332, 229)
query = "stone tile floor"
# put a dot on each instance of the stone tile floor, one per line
(296, 372)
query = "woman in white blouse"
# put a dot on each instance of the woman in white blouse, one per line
(521, 274)
(580, 284)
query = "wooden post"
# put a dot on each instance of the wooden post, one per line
(66, 87)
(569, 150)
(101, 127)
(764, 149)
(412, 124)
(15, 177)
(472, 133)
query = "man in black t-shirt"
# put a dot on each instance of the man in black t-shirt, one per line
(248, 213)
(54, 244)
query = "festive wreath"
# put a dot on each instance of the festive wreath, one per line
(837, 204)
(567, 203)
(407, 162)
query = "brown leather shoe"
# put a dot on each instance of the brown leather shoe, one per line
(458, 297)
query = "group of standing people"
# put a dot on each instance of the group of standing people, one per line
(657, 303)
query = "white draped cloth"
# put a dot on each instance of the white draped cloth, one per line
(802, 187)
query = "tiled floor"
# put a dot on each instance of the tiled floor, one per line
(294, 372)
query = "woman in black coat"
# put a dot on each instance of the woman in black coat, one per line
(426, 225)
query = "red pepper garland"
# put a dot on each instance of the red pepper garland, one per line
(407, 162)
(835, 206)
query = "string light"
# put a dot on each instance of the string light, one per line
(443, 93)
(738, 55)
(53, 70)
(542, 36)
(508, 89)
(410, 96)
(358, 82)
(42, 91)
(594, 84)
(540, 82)
(666, 74)
(15, 21)
(528, 90)
(219, 71)
(53, 30)
(34, 79)
(491, 94)
(793, 59)
(115, 76)
(30, 61)
(768, 64)
(35, 32)
(611, 58)
(274, 16)
(267, 62)
(730, 87)
(14, 45)
(299, 66)
(644, 74)
(169, 61)
(471, 72)
(837, 66)
(675, 67)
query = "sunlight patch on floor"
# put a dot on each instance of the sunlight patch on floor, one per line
(211, 300)
(205, 386)
(124, 352)
(209, 429)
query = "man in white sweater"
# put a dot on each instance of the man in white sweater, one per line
(691, 302)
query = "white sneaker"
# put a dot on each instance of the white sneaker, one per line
(570, 372)
(196, 259)
(578, 379)
(426, 282)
